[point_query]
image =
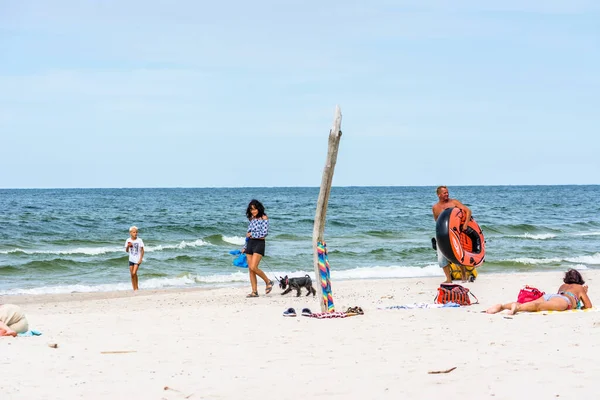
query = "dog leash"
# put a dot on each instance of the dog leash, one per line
(271, 270)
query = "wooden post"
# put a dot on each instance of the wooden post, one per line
(320, 216)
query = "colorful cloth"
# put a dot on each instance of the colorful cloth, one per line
(325, 315)
(324, 276)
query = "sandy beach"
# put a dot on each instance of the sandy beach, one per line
(216, 344)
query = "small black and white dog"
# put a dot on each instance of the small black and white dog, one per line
(296, 283)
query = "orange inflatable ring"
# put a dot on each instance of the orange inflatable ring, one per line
(458, 246)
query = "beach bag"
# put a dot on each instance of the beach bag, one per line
(452, 293)
(529, 293)
(241, 260)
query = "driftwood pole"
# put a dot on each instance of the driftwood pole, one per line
(319, 228)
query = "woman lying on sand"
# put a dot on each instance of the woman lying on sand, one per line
(571, 295)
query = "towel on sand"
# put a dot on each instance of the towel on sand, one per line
(593, 309)
(30, 333)
(324, 315)
(419, 305)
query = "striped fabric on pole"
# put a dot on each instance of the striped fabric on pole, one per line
(324, 276)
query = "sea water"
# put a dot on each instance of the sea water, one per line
(72, 240)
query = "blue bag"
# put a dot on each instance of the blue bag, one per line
(241, 260)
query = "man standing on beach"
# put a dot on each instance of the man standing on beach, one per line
(446, 202)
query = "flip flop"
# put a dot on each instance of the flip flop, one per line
(269, 287)
(306, 312)
(253, 294)
(290, 312)
(355, 311)
(351, 311)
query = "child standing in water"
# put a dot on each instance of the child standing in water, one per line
(135, 247)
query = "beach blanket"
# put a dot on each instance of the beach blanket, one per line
(419, 305)
(593, 309)
(29, 333)
(325, 315)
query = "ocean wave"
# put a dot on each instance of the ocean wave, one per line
(215, 239)
(291, 237)
(534, 261)
(153, 283)
(527, 231)
(59, 289)
(237, 240)
(533, 236)
(9, 270)
(580, 266)
(587, 234)
(90, 251)
(96, 251)
(382, 234)
(341, 224)
(593, 259)
(182, 245)
(383, 253)
(181, 258)
(235, 278)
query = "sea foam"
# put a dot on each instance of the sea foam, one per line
(237, 240)
(539, 236)
(233, 279)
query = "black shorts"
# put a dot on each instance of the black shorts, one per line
(131, 263)
(256, 246)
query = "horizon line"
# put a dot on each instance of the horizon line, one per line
(290, 187)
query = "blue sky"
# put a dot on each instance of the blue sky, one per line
(135, 93)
